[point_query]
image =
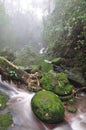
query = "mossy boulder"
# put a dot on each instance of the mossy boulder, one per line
(5, 121)
(3, 100)
(62, 90)
(47, 81)
(47, 107)
(62, 77)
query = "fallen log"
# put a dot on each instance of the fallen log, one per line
(9, 71)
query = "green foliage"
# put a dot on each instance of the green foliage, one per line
(47, 107)
(65, 28)
(12, 73)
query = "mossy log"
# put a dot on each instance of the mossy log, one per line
(9, 71)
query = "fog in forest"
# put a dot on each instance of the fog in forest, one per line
(21, 22)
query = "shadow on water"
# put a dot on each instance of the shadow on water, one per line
(23, 118)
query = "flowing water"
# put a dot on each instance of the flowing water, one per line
(19, 105)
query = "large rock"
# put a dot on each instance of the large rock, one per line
(62, 88)
(76, 78)
(47, 107)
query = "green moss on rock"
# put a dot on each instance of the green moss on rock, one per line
(47, 81)
(67, 97)
(47, 107)
(45, 67)
(63, 90)
(62, 77)
(5, 121)
(72, 109)
(3, 100)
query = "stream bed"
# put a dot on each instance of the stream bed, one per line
(23, 118)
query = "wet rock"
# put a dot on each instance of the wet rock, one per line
(63, 88)
(71, 109)
(66, 97)
(47, 107)
(76, 78)
(5, 121)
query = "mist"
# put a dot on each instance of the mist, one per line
(22, 23)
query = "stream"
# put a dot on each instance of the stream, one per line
(24, 119)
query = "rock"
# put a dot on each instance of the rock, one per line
(67, 98)
(47, 81)
(76, 78)
(71, 109)
(57, 68)
(62, 77)
(47, 107)
(63, 90)
(5, 121)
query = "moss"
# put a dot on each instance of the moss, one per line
(35, 68)
(68, 97)
(47, 107)
(42, 66)
(47, 81)
(3, 128)
(62, 77)
(3, 100)
(5, 120)
(71, 101)
(63, 90)
(45, 67)
(72, 109)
